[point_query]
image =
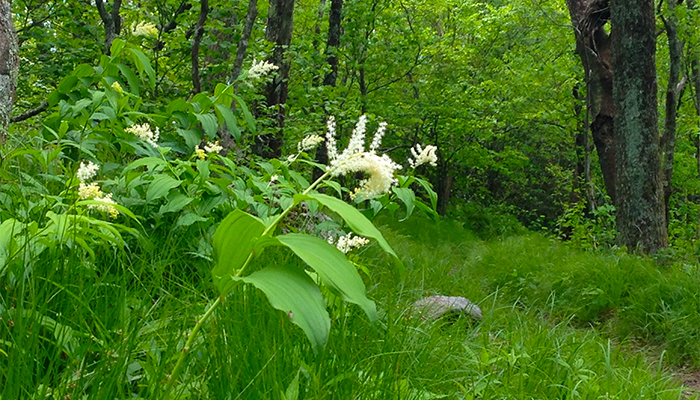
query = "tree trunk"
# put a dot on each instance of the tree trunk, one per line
(695, 79)
(198, 33)
(673, 90)
(279, 31)
(331, 78)
(111, 21)
(639, 193)
(242, 48)
(593, 47)
(9, 66)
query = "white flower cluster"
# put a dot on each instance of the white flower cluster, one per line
(355, 159)
(348, 243)
(423, 156)
(260, 69)
(92, 190)
(309, 143)
(145, 133)
(209, 148)
(87, 171)
(144, 29)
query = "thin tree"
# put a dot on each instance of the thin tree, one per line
(9, 66)
(278, 31)
(111, 20)
(198, 34)
(639, 193)
(589, 19)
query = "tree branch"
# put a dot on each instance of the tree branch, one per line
(36, 111)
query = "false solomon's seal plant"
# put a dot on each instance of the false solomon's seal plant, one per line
(241, 236)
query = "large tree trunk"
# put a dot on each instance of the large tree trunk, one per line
(673, 90)
(639, 193)
(593, 47)
(9, 66)
(279, 31)
(111, 21)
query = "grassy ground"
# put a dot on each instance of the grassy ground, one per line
(557, 324)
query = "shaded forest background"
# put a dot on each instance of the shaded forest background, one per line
(499, 87)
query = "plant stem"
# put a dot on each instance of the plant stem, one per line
(219, 300)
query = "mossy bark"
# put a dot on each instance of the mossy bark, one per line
(9, 66)
(639, 192)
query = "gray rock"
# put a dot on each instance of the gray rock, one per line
(434, 307)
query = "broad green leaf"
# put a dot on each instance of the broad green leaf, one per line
(429, 189)
(131, 78)
(144, 66)
(356, 221)
(233, 243)
(176, 105)
(161, 186)
(332, 266)
(246, 113)
(230, 120)
(209, 124)
(176, 203)
(117, 46)
(407, 197)
(290, 289)
(150, 162)
(189, 218)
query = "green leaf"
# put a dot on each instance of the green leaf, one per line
(144, 66)
(431, 193)
(407, 197)
(188, 219)
(161, 186)
(117, 46)
(209, 124)
(233, 243)
(131, 78)
(331, 266)
(149, 162)
(356, 221)
(248, 116)
(290, 289)
(176, 203)
(230, 120)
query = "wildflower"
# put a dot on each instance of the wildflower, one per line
(291, 158)
(348, 243)
(423, 156)
(88, 191)
(200, 153)
(106, 206)
(355, 159)
(144, 132)
(117, 87)
(309, 143)
(213, 147)
(260, 69)
(144, 29)
(87, 171)
(274, 179)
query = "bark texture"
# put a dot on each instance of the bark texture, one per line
(251, 15)
(279, 31)
(9, 66)
(639, 192)
(593, 47)
(111, 21)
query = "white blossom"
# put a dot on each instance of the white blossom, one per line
(106, 206)
(145, 133)
(260, 69)
(348, 243)
(423, 156)
(214, 147)
(330, 139)
(378, 136)
(87, 171)
(309, 143)
(144, 29)
(354, 158)
(89, 191)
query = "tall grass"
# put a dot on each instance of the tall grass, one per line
(112, 327)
